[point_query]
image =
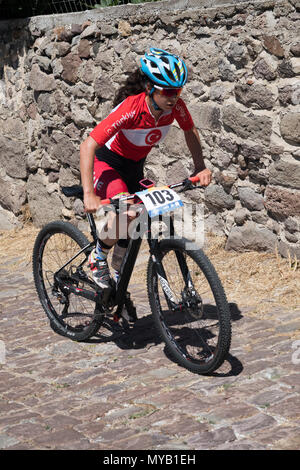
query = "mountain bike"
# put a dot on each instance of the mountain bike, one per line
(186, 297)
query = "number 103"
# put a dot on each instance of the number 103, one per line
(156, 197)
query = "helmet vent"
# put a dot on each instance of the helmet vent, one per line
(164, 59)
(169, 73)
(157, 75)
(164, 69)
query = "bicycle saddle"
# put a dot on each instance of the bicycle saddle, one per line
(73, 191)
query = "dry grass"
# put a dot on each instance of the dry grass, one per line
(260, 280)
(17, 243)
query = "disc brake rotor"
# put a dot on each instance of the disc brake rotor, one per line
(192, 302)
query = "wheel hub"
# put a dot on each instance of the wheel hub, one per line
(192, 302)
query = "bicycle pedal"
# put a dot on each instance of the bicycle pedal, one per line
(129, 316)
(116, 318)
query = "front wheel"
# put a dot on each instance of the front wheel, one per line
(189, 306)
(57, 245)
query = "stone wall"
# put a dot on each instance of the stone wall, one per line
(58, 76)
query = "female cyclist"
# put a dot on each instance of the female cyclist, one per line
(112, 157)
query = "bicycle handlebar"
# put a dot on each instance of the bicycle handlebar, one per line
(192, 179)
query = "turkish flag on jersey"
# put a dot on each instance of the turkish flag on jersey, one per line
(130, 130)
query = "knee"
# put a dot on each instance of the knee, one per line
(131, 215)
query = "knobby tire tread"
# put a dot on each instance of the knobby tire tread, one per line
(73, 232)
(212, 277)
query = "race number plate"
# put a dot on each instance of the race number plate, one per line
(159, 200)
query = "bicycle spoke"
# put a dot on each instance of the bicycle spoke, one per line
(194, 326)
(58, 250)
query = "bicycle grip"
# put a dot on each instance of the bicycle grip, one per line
(105, 202)
(194, 179)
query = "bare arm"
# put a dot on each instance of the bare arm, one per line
(194, 145)
(87, 155)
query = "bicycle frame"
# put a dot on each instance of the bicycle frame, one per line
(131, 256)
(196, 332)
(115, 295)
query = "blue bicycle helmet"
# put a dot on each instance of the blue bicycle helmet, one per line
(164, 69)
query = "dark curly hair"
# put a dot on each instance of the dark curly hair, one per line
(135, 84)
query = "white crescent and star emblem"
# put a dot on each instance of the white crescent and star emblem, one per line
(153, 137)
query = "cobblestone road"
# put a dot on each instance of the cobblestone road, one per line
(124, 393)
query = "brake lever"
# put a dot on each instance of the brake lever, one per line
(187, 186)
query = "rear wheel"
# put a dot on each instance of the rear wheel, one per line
(190, 310)
(69, 314)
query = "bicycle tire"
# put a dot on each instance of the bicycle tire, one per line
(176, 335)
(42, 280)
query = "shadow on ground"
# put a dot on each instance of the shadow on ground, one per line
(143, 333)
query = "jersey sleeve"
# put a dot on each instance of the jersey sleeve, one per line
(182, 116)
(121, 117)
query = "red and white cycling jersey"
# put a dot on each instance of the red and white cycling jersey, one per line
(131, 130)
